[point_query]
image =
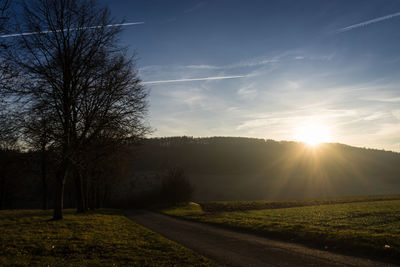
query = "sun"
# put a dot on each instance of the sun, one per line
(313, 134)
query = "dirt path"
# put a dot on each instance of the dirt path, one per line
(237, 249)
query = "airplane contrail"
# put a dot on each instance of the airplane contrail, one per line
(365, 23)
(196, 79)
(82, 28)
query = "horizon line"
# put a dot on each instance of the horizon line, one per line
(274, 140)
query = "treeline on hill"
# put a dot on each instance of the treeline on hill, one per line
(230, 168)
(27, 180)
(218, 168)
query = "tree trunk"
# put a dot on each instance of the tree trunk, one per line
(85, 189)
(2, 192)
(59, 203)
(59, 197)
(44, 180)
(91, 193)
(80, 196)
(97, 196)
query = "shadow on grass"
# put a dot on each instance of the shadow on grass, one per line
(20, 214)
(47, 215)
(93, 212)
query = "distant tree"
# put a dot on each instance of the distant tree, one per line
(39, 136)
(176, 187)
(8, 145)
(102, 164)
(75, 68)
(107, 164)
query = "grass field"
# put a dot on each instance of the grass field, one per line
(370, 228)
(268, 204)
(102, 238)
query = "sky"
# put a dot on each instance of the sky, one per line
(268, 69)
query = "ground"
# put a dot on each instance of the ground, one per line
(101, 238)
(231, 248)
(360, 228)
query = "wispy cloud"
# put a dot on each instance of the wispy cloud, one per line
(260, 61)
(243, 64)
(368, 22)
(196, 79)
(76, 29)
(199, 5)
(274, 104)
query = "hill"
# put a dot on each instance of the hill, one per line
(232, 168)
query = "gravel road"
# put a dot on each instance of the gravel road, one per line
(238, 249)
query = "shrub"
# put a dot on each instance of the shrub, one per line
(175, 187)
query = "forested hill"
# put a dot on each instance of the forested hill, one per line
(231, 168)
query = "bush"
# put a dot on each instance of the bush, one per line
(175, 187)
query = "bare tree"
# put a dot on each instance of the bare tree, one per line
(75, 68)
(8, 137)
(4, 16)
(4, 22)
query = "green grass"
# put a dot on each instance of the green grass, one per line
(261, 205)
(360, 228)
(102, 238)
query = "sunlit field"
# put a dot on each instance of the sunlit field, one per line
(104, 238)
(362, 228)
(270, 204)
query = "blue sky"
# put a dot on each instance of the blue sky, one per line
(275, 67)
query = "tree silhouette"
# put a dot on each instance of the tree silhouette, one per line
(74, 69)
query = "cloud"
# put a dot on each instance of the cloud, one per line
(194, 8)
(277, 94)
(76, 29)
(387, 100)
(268, 105)
(172, 19)
(248, 92)
(376, 116)
(261, 61)
(196, 79)
(368, 22)
(243, 64)
(396, 114)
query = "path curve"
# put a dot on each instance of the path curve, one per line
(238, 249)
